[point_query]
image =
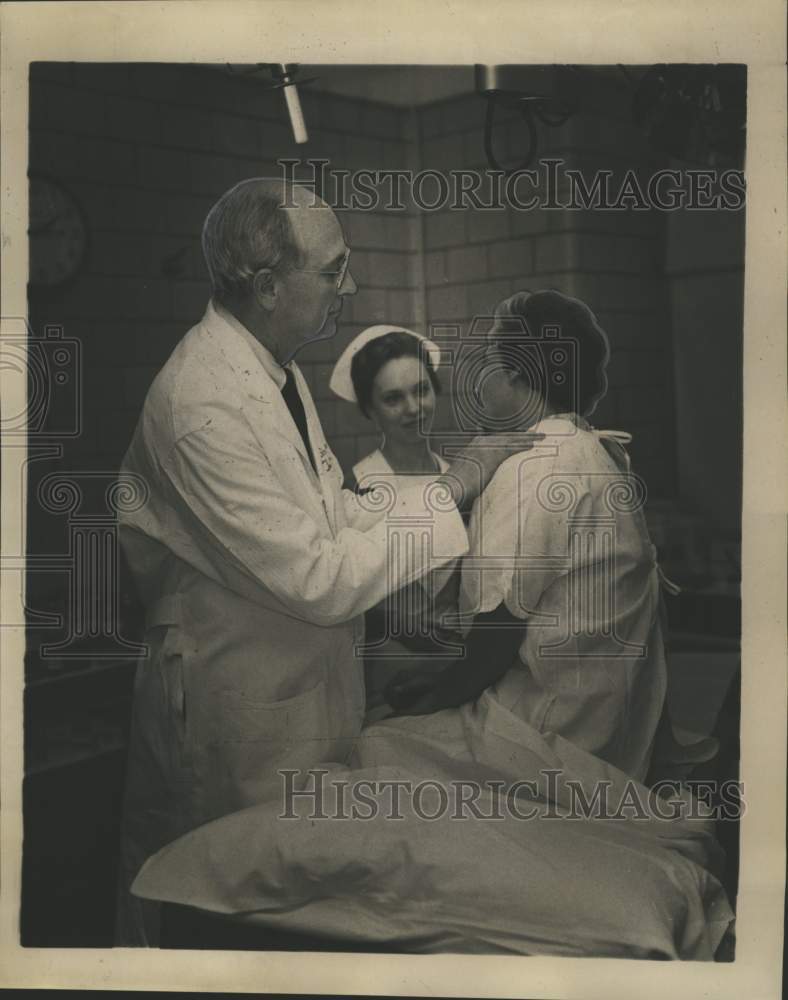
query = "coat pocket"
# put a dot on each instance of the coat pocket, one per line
(279, 725)
(255, 740)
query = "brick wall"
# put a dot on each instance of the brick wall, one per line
(385, 263)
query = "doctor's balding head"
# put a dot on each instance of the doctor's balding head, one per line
(278, 261)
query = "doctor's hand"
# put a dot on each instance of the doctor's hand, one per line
(472, 469)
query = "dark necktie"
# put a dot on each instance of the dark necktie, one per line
(292, 397)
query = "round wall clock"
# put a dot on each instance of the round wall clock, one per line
(58, 233)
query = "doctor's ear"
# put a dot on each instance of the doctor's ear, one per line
(264, 287)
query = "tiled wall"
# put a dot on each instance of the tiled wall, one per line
(612, 260)
(705, 269)
(147, 149)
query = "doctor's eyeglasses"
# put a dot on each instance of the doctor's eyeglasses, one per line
(339, 274)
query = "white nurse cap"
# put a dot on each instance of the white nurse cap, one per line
(342, 384)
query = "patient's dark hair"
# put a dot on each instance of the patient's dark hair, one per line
(526, 320)
(373, 356)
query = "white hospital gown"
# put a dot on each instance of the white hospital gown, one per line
(560, 538)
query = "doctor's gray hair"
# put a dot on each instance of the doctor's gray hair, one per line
(524, 318)
(245, 231)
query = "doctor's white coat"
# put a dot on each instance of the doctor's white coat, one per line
(255, 572)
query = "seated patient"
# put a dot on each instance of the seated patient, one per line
(390, 373)
(561, 579)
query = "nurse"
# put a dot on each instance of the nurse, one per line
(390, 373)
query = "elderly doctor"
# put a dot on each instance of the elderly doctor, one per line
(254, 565)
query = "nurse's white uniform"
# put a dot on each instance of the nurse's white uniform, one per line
(410, 608)
(376, 465)
(255, 571)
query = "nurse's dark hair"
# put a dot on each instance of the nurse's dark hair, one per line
(528, 322)
(245, 231)
(373, 356)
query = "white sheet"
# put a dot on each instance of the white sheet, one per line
(561, 886)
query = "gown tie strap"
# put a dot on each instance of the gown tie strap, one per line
(622, 438)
